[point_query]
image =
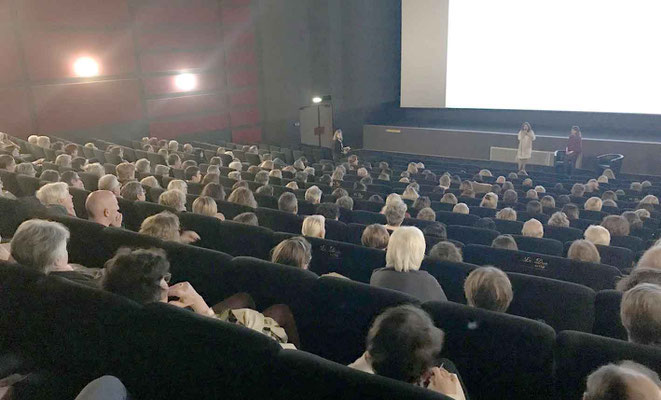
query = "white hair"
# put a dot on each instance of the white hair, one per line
(179, 185)
(40, 244)
(314, 226)
(640, 312)
(143, 165)
(173, 145)
(461, 208)
(597, 235)
(650, 199)
(95, 169)
(533, 228)
(108, 182)
(63, 160)
(313, 194)
(173, 198)
(406, 249)
(235, 165)
(507, 214)
(593, 204)
(52, 193)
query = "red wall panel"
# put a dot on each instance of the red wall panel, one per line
(244, 97)
(250, 135)
(243, 77)
(180, 38)
(194, 12)
(79, 106)
(171, 129)
(236, 16)
(51, 55)
(14, 112)
(5, 11)
(10, 68)
(244, 117)
(240, 57)
(74, 13)
(184, 105)
(165, 84)
(181, 61)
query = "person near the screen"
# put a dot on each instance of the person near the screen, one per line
(339, 149)
(526, 137)
(574, 148)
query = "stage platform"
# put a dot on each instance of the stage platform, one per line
(640, 157)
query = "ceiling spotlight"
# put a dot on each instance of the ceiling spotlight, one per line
(316, 99)
(86, 67)
(185, 82)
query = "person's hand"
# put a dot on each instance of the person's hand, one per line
(189, 237)
(188, 297)
(117, 221)
(446, 383)
(220, 216)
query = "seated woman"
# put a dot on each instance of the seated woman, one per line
(488, 288)
(174, 198)
(405, 253)
(144, 275)
(205, 205)
(507, 214)
(165, 226)
(446, 251)
(583, 250)
(243, 196)
(375, 236)
(314, 226)
(295, 251)
(404, 344)
(56, 197)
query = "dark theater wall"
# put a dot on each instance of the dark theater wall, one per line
(140, 45)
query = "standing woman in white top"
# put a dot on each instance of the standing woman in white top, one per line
(526, 137)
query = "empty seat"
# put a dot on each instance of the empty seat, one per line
(367, 217)
(607, 315)
(9, 182)
(618, 257)
(539, 245)
(523, 216)
(467, 234)
(563, 234)
(499, 356)
(336, 230)
(594, 276)
(144, 209)
(509, 227)
(450, 218)
(79, 199)
(28, 184)
(632, 243)
(231, 210)
(579, 354)
(450, 275)
(90, 181)
(10, 219)
(279, 220)
(562, 305)
(483, 212)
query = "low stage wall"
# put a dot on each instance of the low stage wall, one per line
(639, 157)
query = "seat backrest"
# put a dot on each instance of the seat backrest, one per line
(84, 247)
(28, 184)
(578, 354)
(632, 243)
(336, 230)
(90, 181)
(499, 356)
(266, 201)
(79, 199)
(450, 275)
(10, 219)
(592, 215)
(353, 261)
(561, 305)
(539, 245)
(367, 217)
(619, 257)
(279, 221)
(483, 212)
(451, 218)
(308, 373)
(343, 313)
(508, 227)
(594, 276)
(607, 321)
(561, 233)
(231, 210)
(144, 209)
(523, 216)
(9, 182)
(469, 234)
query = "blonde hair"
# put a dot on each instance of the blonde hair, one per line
(406, 249)
(292, 185)
(63, 160)
(410, 193)
(174, 198)
(163, 225)
(608, 173)
(150, 181)
(597, 235)
(488, 288)
(506, 214)
(52, 193)
(43, 141)
(242, 196)
(640, 312)
(559, 219)
(651, 258)
(490, 200)
(178, 184)
(449, 198)
(533, 228)
(583, 250)
(314, 226)
(143, 165)
(461, 208)
(205, 205)
(532, 194)
(602, 179)
(593, 204)
(650, 199)
(313, 195)
(375, 236)
(295, 251)
(125, 171)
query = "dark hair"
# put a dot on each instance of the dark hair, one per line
(77, 163)
(421, 202)
(266, 190)
(329, 210)
(50, 175)
(248, 218)
(325, 179)
(563, 199)
(6, 160)
(437, 230)
(403, 343)
(136, 274)
(213, 190)
(191, 172)
(172, 159)
(534, 207)
(571, 211)
(485, 223)
(68, 177)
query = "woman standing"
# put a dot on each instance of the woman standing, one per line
(339, 149)
(574, 148)
(526, 137)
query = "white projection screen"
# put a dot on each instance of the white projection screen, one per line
(565, 55)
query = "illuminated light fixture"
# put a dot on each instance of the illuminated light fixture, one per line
(86, 67)
(317, 99)
(185, 82)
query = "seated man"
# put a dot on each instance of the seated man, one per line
(624, 381)
(102, 208)
(640, 312)
(288, 203)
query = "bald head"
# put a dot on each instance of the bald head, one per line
(102, 208)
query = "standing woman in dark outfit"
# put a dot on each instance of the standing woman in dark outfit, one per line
(339, 149)
(574, 148)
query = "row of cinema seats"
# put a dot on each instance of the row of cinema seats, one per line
(81, 333)
(562, 294)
